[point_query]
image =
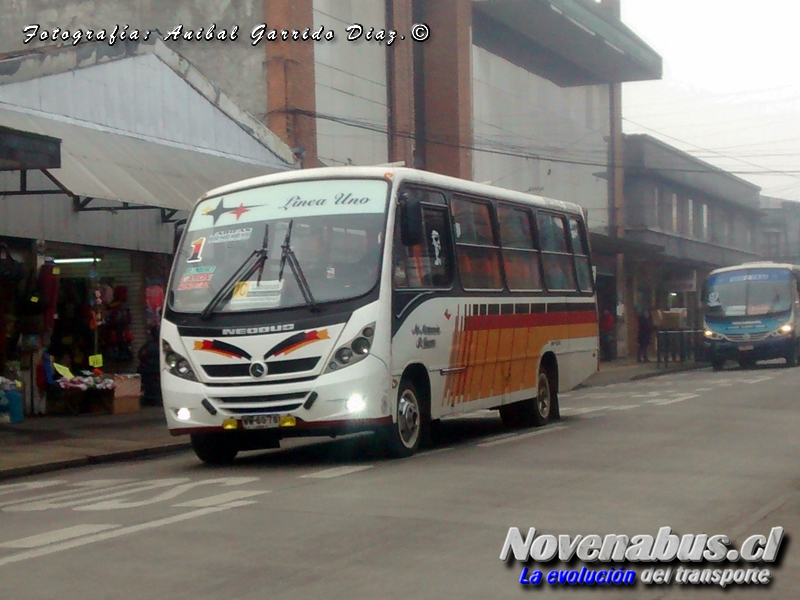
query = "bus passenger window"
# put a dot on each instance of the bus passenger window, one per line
(520, 258)
(559, 271)
(581, 250)
(429, 264)
(477, 250)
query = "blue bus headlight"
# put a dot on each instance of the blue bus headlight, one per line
(783, 330)
(711, 335)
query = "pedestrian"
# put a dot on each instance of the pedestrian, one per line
(150, 369)
(645, 333)
(607, 335)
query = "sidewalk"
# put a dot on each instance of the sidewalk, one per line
(48, 444)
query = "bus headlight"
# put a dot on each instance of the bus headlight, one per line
(785, 329)
(353, 351)
(711, 335)
(177, 364)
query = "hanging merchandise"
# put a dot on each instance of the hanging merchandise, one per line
(117, 335)
(154, 297)
(11, 271)
(49, 286)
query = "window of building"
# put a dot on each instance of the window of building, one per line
(557, 261)
(657, 220)
(476, 247)
(705, 231)
(520, 258)
(772, 244)
(689, 216)
(674, 206)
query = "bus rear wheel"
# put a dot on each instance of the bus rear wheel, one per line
(536, 411)
(215, 448)
(403, 437)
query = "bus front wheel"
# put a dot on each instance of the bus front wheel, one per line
(402, 438)
(215, 448)
(793, 358)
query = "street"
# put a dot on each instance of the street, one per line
(698, 451)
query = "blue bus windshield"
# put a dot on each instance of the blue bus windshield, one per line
(749, 292)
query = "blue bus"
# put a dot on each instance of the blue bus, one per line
(752, 313)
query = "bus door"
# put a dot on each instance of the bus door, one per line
(424, 312)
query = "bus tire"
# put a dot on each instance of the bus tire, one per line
(405, 436)
(793, 358)
(215, 448)
(747, 364)
(537, 411)
(717, 364)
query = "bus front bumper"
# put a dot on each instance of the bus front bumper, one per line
(768, 349)
(355, 398)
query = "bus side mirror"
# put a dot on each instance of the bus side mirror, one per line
(410, 219)
(177, 235)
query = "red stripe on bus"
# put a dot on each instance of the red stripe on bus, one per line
(479, 323)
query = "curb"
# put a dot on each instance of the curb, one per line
(657, 373)
(125, 455)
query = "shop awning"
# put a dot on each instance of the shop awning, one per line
(103, 165)
(565, 40)
(25, 150)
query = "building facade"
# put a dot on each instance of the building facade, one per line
(779, 230)
(697, 218)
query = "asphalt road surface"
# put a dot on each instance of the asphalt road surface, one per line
(700, 452)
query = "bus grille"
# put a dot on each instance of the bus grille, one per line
(746, 337)
(253, 405)
(262, 399)
(276, 367)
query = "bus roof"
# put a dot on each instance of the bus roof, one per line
(397, 174)
(763, 264)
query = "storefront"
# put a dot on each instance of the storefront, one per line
(90, 226)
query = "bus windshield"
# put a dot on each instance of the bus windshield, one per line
(337, 230)
(749, 292)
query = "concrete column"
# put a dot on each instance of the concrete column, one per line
(291, 83)
(400, 83)
(447, 61)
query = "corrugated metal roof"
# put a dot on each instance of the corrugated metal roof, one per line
(101, 164)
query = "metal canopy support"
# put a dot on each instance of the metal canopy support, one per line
(81, 203)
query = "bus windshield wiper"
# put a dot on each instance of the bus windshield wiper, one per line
(254, 262)
(287, 255)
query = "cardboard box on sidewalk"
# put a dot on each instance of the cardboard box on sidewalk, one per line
(127, 394)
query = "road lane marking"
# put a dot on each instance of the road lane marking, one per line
(335, 472)
(59, 535)
(220, 499)
(673, 401)
(760, 379)
(100, 537)
(87, 488)
(624, 407)
(574, 412)
(74, 500)
(12, 488)
(117, 503)
(521, 436)
(429, 452)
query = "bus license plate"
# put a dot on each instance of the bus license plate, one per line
(261, 421)
(745, 348)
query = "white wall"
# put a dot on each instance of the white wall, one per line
(351, 85)
(518, 113)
